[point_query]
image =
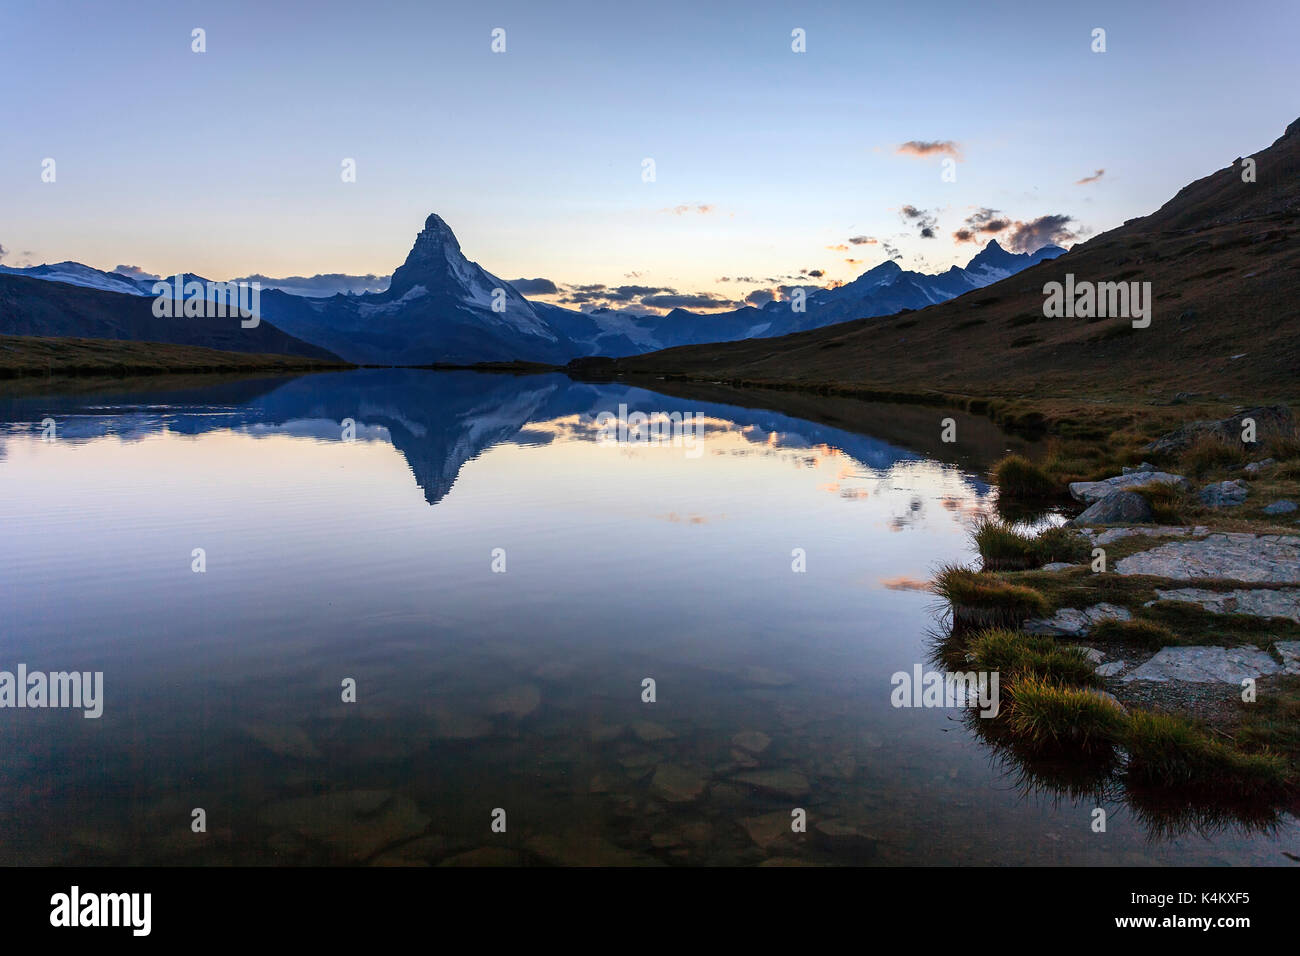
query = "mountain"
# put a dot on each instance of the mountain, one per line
(442, 308)
(39, 307)
(1223, 262)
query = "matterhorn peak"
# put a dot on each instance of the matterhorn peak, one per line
(435, 248)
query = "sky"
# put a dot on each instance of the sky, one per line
(768, 163)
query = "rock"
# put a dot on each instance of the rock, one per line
(1289, 651)
(678, 784)
(1106, 695)
(840, 837)
(1104, 538)
(283, 740)
(1118, 507)
(1255, 467)
(353, 824)
(649, 732)
(423, 851)
(1093, 655)
(1110, 669)
(1205, 665)
(1270, 421)
(1237, 556)
(486, 856)
(770, 829)
(1145, 468)
(783, 783)
(1057, 566)
(752, 741)
(607, 733)
(515, 701)
(453, 725)
(1283, 507)
(582, 849)
(1092, 491)
(1071, 622)
(1224, 494)
(1260, 602)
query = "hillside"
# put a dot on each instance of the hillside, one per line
(38, 307)
(1223, 260)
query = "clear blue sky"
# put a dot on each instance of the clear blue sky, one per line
(228, 162)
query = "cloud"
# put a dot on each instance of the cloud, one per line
(923, 219)
(3, 252)
(702, 208)
(891, 250)
(853, 262)
(839, 248)
(938, 147)
(905, 582)
(1091, 179)
(679, 300)
(534, 286)
(862, 240)
(982, 222)
(760, 297)
(134, 272)
(816, 273)
(321, 285)
(1043, 231)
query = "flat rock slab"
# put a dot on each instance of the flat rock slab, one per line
(1257, 558)
(1158, 531)
(1071, 622)
(1290, 653)
(783, 783)
(1092, 491)
(353, 824)
(1259, 602)
(678, 784)
(1205, 665)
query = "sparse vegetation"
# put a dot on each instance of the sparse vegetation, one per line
(1003, 548)
(1018, 477)
(982, 601)
(1135, 633)
(1045, 715)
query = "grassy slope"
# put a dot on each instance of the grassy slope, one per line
(1223, 260)
(22, 355)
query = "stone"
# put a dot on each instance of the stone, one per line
(770, 829)
(1258, 602)
(678, 784)
(1071, 622)
(453, 725)
(1237, 556)
(486, 856)
(1057, 566)
(1255, 467)
(841, 837)
(283, 740)
(1093, 655)
(1117, 507)
(583, 849)
(1205, 665)
(607, 733)
(783, 783)
(353, 824)
(1283, 507)
(1110, 669)
(1271, 421)
(419, 852)
(1111, 535)
(1092, 491)
(515, 701)
(649, 732)
(1289, 651)
(1224, 494)
(1145, 468)
(752, 741)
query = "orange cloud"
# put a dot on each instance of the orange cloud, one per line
(923, 148)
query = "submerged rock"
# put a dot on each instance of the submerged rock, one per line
(1264, 558)
(678, 784)
(649, 732)
(783, 783)
(353, 824)
(1205, 665)
(283, 740)
(753, 741)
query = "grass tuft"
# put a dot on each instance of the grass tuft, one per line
(1018, 477)
(979, 600)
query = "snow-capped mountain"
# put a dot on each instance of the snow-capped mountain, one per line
(442, 308)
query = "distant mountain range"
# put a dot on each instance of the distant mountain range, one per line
(442, 308)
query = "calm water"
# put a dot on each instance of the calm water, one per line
(478, 689)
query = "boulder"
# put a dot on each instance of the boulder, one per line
(1090, 491)
(1118, 507)
(1224, 494)
(1255, 467)
(1205, 665)
(1271, 421)
(1283, 507)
